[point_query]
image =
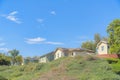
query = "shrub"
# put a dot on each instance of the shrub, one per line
(90, 58)
(70, 68)
(116, 68)
(112, 60)
(3, 78)
(4, 62)
(39, 66)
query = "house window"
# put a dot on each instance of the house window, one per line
(102, 48)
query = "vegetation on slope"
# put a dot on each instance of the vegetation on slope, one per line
(67, 68)
(113, 31)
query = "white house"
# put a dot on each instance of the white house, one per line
(61, 52)
(102, 47)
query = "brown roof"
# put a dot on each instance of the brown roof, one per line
(67, 50)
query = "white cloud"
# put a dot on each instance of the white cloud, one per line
(54, 43)
(11, 16)
(40, 20)
(13, 13)
(4, 49)
(40, 40)
(53, 12)
(2, 44)
(35, 40)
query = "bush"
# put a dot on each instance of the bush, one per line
(39, 66)
(112, 60)
(4, 62)
(66, 68)
(3, 78)
(90, 58)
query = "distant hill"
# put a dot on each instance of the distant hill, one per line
(66, 68)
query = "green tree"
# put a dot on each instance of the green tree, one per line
(88, 45)
(4, 60)
(14, 53)
(97, 38)
(113, 31)
(19, 59)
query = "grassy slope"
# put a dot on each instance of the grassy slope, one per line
(115, 63)
(77, 68)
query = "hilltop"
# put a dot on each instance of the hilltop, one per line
(66, 68)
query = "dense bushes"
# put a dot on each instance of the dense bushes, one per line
(67, 68)
(115, 63)
(91, 68)
(2, 78)
(4, 60)
(112, 60)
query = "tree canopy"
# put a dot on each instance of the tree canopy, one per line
(113, 31)
(91, 45)
(88, 45)
(15, 57)
(97, 38)
(4, 60)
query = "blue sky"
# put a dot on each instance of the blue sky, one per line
(36, 27)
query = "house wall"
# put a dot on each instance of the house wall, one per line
(81, 53)
(72, 54)
(58, 54)
(43, 60)
(102, 48)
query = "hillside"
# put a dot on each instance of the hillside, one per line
(67, 68)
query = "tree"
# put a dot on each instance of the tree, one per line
(19, 59)
(97, 38)
(88, 45)
(14, 53)
(113, 31)
(4, 60)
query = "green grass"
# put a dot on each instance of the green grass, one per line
(91, 69)
(67, 68)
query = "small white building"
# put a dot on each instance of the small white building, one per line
(102, 47)
(43, 59)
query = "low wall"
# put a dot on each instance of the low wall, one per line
(109, 55)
